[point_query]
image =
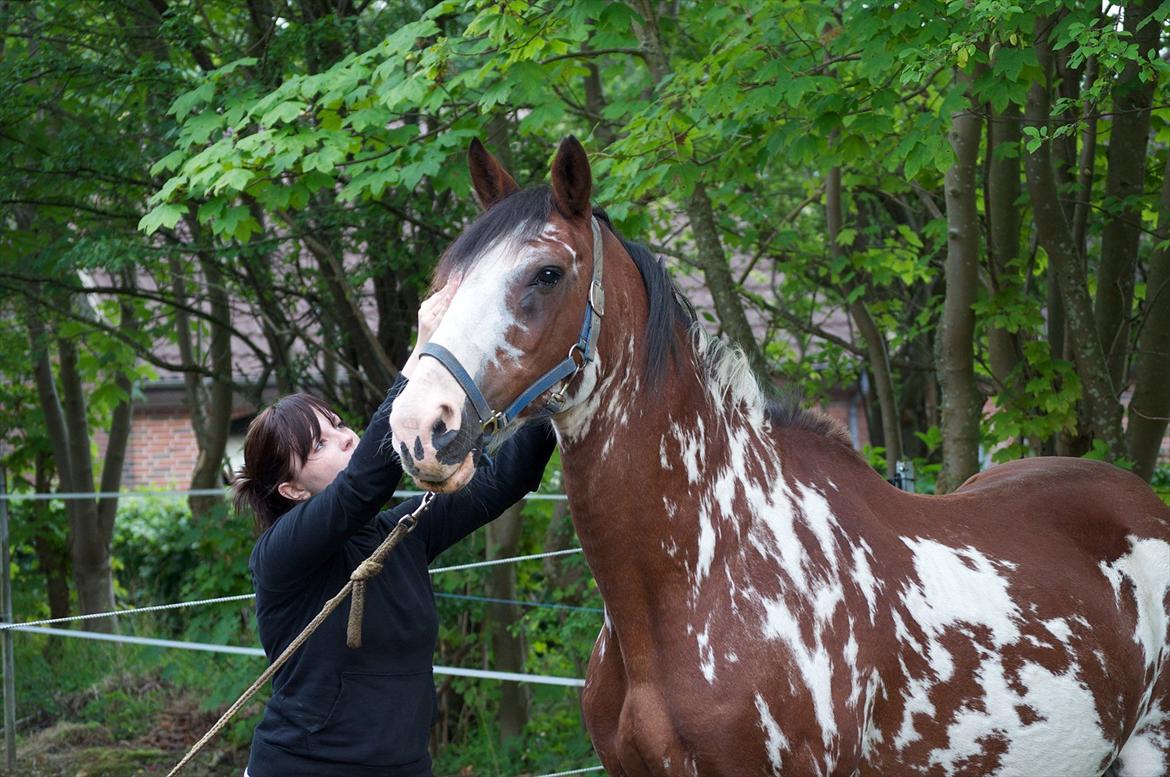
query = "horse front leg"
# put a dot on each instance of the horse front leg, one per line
(603, 698)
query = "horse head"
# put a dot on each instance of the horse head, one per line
(517, 338)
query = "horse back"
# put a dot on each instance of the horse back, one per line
(1097, 506)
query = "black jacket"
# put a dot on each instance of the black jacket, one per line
(353, 713)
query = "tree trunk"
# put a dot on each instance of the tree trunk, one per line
(52, 554)
(1003, 233)
(1101, 410)
(1086, 165)
(209, 471)
(711, 258)
(1149, 407)
(875, 343)
(595, 105)
(961, 405)
(1124, 182)
(371, 356)
(505, 639)
(91, 521)
(90, 549)
(119, 432)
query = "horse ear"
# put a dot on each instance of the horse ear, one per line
(491, 181)
(572, 182)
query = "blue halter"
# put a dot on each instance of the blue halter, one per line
(580, 354)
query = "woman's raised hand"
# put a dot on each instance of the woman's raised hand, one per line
(430, 314)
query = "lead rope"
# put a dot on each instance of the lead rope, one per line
(353, 637)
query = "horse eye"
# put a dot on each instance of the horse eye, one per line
(548, 276)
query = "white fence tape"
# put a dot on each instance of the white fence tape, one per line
(243, 597)
(456, 671)
(40, 497)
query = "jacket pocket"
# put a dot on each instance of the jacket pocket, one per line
(377, 720)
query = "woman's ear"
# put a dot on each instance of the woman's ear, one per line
(292, 492)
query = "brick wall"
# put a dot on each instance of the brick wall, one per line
(161, 450)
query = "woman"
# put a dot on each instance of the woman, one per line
(315, 491)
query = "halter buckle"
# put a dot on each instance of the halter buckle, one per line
(492, 425)
(558, 396)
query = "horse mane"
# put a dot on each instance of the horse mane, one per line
(671, 323)
(725, 365)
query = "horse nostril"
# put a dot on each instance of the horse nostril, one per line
(442, 439)
(418, 448)
(448, 416)
(404, 454)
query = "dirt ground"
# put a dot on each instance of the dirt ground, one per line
(88, 750)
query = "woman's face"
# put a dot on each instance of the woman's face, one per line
(328, 457)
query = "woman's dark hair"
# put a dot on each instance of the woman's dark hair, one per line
(278, 441)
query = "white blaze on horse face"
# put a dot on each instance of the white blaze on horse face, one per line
(476, 324)
(475, 330)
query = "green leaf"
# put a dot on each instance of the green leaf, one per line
(191, 100)
(165, 216)
(283, 113)
(235, 179)
(168, 163)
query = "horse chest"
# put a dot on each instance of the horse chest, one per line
(757, 715)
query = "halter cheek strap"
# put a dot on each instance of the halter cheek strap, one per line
(580, 354)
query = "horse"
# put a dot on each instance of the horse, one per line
(772, 604)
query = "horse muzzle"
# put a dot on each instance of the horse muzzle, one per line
(439, 447)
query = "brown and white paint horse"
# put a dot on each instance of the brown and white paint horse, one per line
(773, 606)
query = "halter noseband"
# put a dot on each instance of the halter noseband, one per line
(565, 370)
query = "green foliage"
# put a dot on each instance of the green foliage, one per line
(261, 158)
(1161, 483)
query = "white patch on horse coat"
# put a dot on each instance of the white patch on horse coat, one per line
(1059, 628)
(1147, 753)
(918, 702)
(813, 664)
(706, 654)
(1147, 566)
(581, 403)
(603, 637)
(774, 740)
(1068, 739)
(959, 585)
(870, 734)
(550, 234)
(864, 579)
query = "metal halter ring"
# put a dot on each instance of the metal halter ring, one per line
(595, 288)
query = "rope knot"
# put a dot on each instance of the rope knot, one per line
(366, 570)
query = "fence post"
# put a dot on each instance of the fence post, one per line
(6, 635)
(904, 479)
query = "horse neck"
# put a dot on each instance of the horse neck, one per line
(638, 460)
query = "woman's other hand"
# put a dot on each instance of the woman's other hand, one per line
(430, 314)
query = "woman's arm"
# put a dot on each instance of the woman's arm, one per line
(313, 530)
(516, 470)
